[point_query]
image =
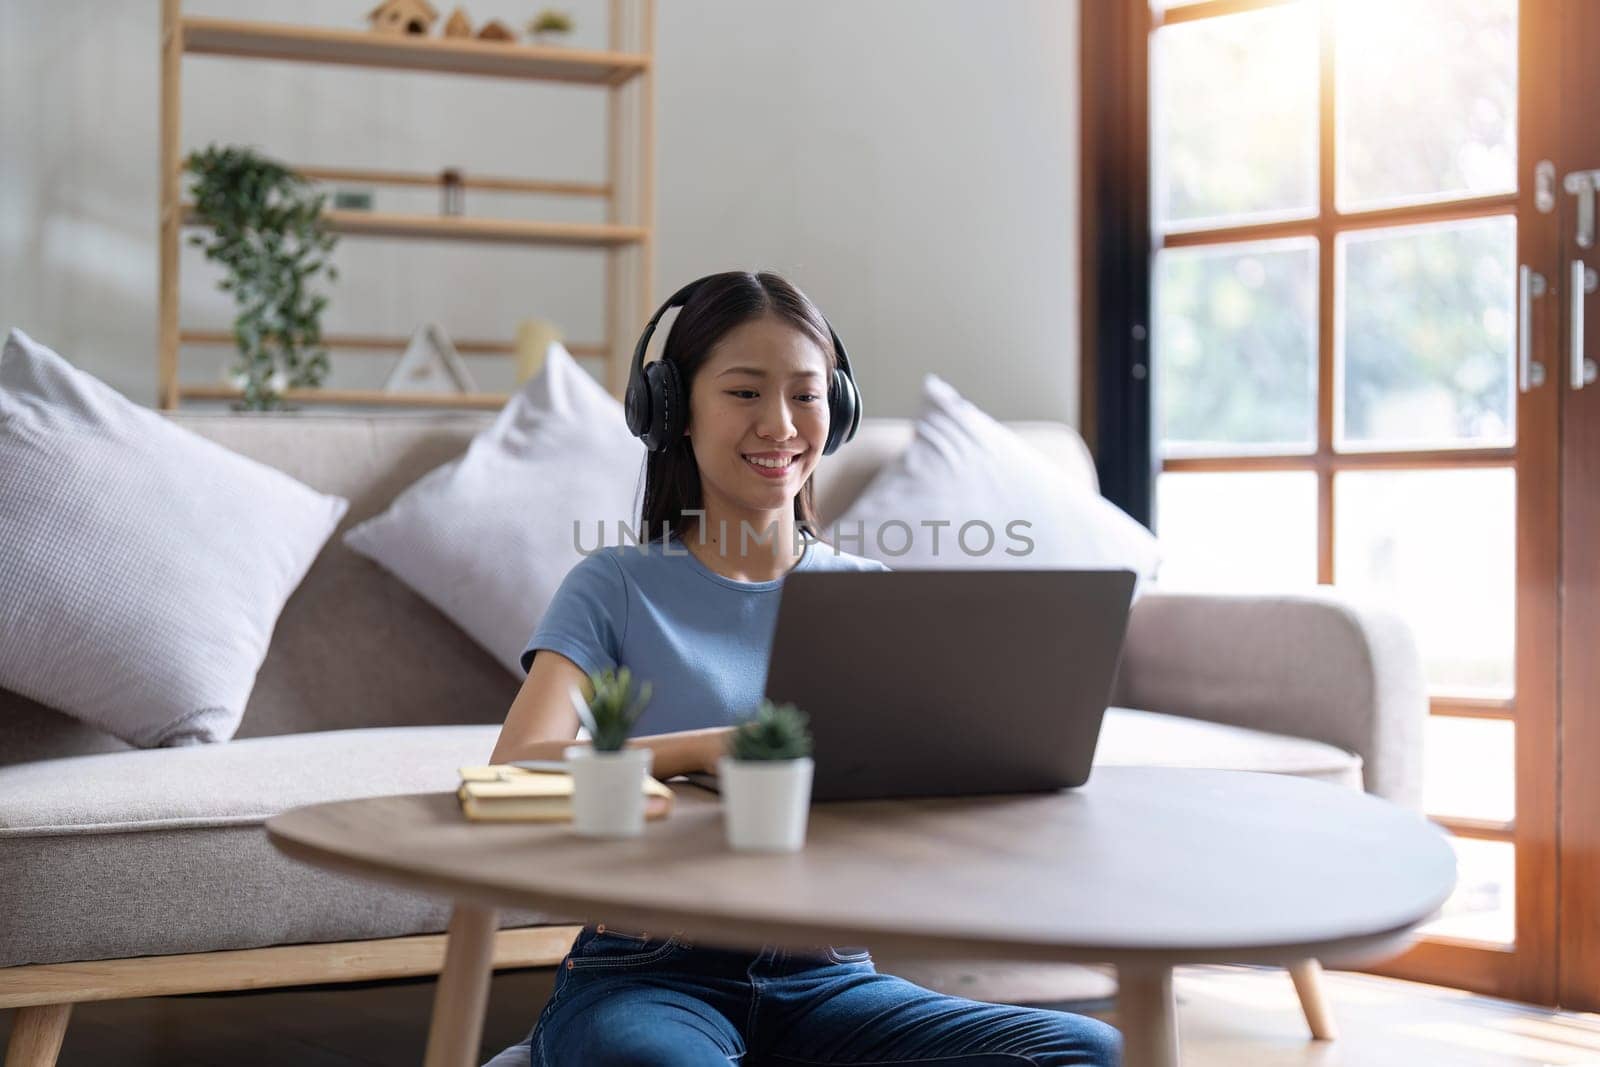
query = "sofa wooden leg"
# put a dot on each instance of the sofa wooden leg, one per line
(36, 1034)
(1307, 975)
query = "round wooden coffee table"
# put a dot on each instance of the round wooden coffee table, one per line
(1144, 868)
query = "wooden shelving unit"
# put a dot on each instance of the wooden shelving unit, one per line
(624, 71)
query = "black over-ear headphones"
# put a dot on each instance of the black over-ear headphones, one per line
(657, 406)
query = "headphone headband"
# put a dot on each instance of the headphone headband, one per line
(653, 397)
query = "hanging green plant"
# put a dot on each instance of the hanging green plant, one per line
(266, 229)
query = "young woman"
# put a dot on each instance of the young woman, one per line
(736, 424)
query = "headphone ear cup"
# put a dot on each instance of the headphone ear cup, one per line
(651, 431)
(636, 405)
(668, 409)
(674, 405)
(844, 411)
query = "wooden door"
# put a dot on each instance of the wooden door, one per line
(1578, 314)
(1345, 339)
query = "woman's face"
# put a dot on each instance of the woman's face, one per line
(762, 393)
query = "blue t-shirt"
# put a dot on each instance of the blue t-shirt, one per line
(700, 639)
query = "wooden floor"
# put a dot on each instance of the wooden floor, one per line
(1230, 1017)
(1251, 1018)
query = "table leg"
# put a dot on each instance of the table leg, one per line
(463, 992)
(1147, 1015)
(1307, 976)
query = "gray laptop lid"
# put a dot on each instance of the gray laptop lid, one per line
(930, 683)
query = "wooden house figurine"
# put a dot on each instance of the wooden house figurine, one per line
(431, 364)
(458, 24)
(403, 17)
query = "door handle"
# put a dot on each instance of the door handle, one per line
(1530, 286)
(1582, 184)
(1584, 282)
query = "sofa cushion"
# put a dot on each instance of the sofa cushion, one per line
(144, 567)
(354, 646)
(488, 538)
(164, 848)
(1136, 738)
(840, 478)
(968, 492)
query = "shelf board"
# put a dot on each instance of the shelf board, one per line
(485, 401)
(384, 343)
(466, 228)
(207, 36)
(435, 180)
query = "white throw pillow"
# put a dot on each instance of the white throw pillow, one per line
(1018, 511)
(488, 537)
(143, 567)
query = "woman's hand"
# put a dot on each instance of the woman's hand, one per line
(542, 723)
(716, 746)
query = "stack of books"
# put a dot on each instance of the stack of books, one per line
(504, 793)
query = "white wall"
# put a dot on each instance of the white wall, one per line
(911, 164)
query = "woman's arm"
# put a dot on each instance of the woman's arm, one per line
(542, 723)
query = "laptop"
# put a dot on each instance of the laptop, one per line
(948, 682)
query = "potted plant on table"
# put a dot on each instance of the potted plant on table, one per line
(765, 780)
(608, 779)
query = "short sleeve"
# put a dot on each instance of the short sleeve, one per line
(586, 618)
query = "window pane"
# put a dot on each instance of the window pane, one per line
(1469, 768)
(1483, 907)
(1233, 121)
(1237, 531)
(1427, 93)
(1236, 348)
(1439, 548)
(1426, 320)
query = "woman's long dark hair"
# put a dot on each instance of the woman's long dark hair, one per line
(722, 302)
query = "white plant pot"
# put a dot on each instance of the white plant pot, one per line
(608, 790)
(765, 802)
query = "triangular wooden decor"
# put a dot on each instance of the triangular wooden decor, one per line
(431, 364)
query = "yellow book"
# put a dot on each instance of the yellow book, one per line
(502, 793)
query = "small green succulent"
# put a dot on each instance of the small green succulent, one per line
(551, 21)
(611, 713)
(771, 732)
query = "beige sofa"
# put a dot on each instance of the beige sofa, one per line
(154, 862)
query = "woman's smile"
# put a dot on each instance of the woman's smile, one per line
(772, 466)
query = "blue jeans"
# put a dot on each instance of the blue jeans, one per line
(632, 999)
